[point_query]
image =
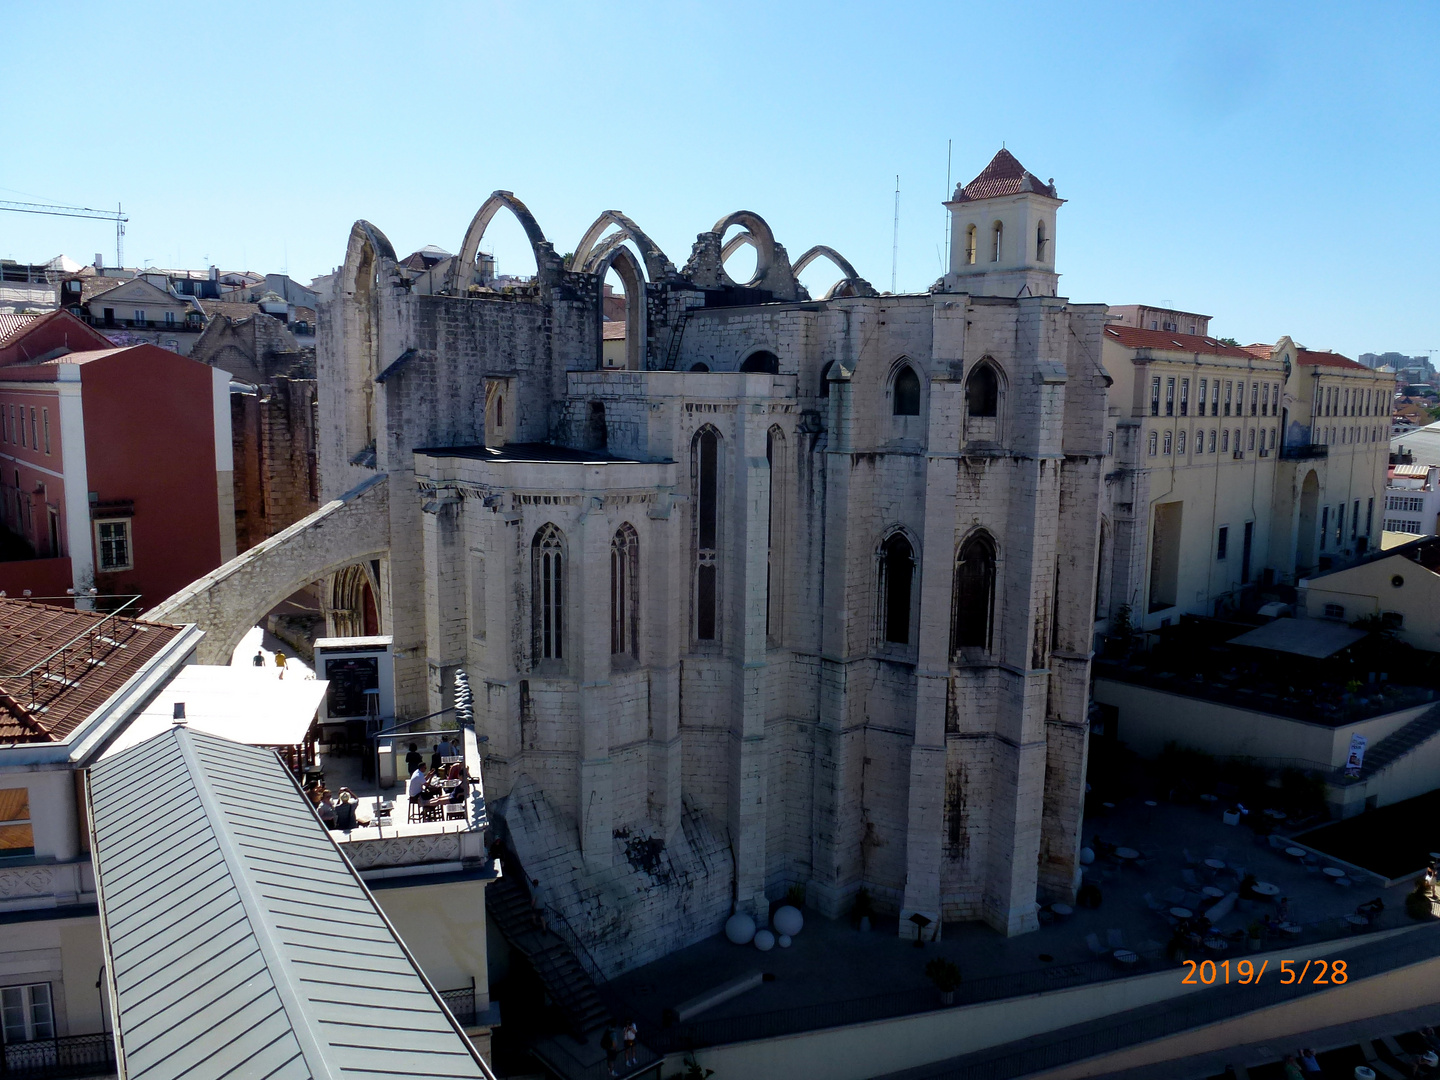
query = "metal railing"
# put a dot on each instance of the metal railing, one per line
(778, 1022)
(461, 1003)
(71, 1056)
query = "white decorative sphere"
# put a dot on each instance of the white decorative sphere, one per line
(1086, 856)
(788, 920)
(783, 941)
(764, 940)
(740, 928)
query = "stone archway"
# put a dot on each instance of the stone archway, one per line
(227, 602)
(1306, 528)
(547, 263)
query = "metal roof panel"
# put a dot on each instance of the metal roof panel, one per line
(239, 940)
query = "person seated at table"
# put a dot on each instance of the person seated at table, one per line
(1371, 909)
(416, 785)
(326, 810)
(312, 792)
(345, 806)
(457, 772)
(413, 760)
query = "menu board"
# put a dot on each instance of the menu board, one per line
(349, 678)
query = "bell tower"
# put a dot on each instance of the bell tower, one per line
(1002, 233)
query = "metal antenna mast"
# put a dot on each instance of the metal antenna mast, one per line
(895, 241)
(949, 145)
(117, 215)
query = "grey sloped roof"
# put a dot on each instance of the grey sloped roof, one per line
(239, 942)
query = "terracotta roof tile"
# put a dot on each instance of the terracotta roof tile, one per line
(46, 703)
(1003, 176)
(1327, 359)
(1134, 337)
(612, 330)
(12, 326)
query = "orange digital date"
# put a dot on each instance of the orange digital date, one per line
(1245, 973)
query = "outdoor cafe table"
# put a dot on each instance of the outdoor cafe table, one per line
(1264, 888)
(1215, 864)
(1125, 956)
(1333, 872)
(1126, 853)
(1213, 891)
(1062, 910)
(1182, 912)
(1295, 852)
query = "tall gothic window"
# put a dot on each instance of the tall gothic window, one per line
(982, 392)
(972, 613)
(706, 456)
(897, 575)
(547, 568)
(775, 537)
(624, 590)
(905, 397)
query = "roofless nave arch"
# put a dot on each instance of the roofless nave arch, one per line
(350, 534)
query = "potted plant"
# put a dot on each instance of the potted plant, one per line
(946, 977)
(1417, 903)
(1256, 941)
(863, 908)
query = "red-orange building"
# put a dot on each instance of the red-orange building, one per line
(115, 473)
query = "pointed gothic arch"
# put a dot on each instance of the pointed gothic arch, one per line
(632, 277)
(972, 603)
(897, 564)
(822, 251)
(462, 271)
(657, 266)
(549, 561)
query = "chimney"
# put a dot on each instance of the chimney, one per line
(99, 261)
(180, 712)
(214, 273)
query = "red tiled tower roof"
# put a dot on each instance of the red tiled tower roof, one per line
(1004, 176)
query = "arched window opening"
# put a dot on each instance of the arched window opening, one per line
(624, 590)
(972, 614)
(707, 531)
(982, 392)
(971, 239)
(825, 379)
(906, 394)
(762, 361)
(897, 575)
(997, 234)
(1040, 241)
(547, 561)
(699, 365)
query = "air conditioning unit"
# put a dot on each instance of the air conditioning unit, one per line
(1239, 455)
(1264, 453)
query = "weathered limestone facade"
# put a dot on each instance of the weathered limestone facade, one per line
(804, 596)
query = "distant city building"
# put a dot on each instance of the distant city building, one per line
(115, 473)
(1167, 320)
(1232, 470)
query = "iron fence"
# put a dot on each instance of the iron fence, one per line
(71, 1056)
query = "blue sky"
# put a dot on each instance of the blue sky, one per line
(1267, 164)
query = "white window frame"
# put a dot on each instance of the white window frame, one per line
(100, 563)
(28, 999)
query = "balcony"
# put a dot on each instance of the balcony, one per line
(71, 1056)
(183, 326)
(1304, 452)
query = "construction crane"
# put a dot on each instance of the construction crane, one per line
(116, 215)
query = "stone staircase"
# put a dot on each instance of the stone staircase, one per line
(1396, 745)
(568, 984)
